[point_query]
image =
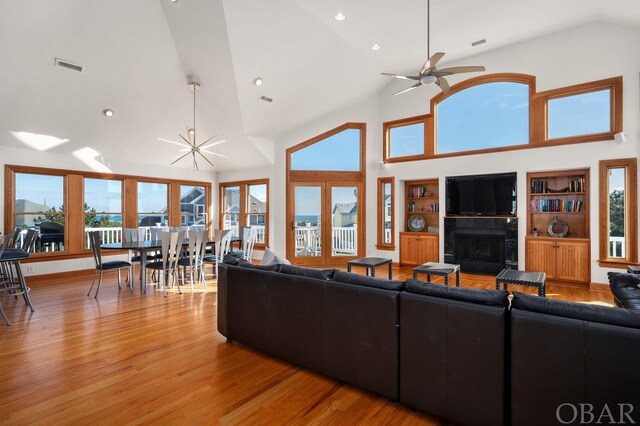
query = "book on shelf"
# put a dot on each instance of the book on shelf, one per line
(419, 192)
(433, 207)
(556, 206)
(540, 186)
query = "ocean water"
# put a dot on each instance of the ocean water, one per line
(313, 219)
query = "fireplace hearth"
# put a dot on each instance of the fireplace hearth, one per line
(481, 245)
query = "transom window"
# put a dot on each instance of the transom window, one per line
(581, 114)
(491, 115)
(499, 112)
(405, 139)
(336, 152)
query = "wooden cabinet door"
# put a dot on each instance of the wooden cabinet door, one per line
(541, 257)
(429, 248)
(572, 261)
(409, 250)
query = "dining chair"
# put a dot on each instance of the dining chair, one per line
(94, 243)
(249, 236)
(132, 235)
(171, 249)
(221, 246)
(3, 245)
(194, 257)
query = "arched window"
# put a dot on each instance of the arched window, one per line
(483, 113)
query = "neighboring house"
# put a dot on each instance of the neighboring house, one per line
(28, 220)
(345, 214)
(387, 211)
(257, 209)
(193, 203)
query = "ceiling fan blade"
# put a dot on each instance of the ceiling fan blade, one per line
(213, 153)
(403, 77)
(200, 144)
(444, 84)
(206, 159)
(180, 158)
(213, 144)
(173, 142)
(431, 62)
(418, 84)
(458, 70)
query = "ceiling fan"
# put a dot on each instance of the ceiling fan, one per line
(190, 147)
(429, 74)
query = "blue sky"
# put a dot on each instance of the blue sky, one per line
(308, 198)
(337, 152)
(579, 115)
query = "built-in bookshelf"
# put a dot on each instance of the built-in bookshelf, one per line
(562, 194)
(422, 200)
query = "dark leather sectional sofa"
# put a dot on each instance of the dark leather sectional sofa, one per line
(468, 356)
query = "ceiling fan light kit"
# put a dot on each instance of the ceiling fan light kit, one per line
(189, 144)
(429, 74)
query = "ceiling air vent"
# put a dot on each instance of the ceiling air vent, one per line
(265, 98)
(479, 42)
(66, 64)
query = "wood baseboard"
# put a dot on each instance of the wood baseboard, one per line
(43, 278)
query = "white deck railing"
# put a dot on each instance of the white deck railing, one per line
(344, 241)
(617, 247)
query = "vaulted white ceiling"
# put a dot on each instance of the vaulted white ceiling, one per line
(138, 54)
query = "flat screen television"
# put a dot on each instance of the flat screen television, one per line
(481, 195)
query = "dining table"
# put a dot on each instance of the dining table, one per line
(144, 247)
(8, 257)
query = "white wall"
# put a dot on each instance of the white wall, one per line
(591, 52)
(28, 157)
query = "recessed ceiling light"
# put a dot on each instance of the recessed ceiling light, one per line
(340, 16)
(174, 1)
(257, 81)
(375, 47)
(479, 42)
(108, 112)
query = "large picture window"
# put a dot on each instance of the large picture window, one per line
(103, 209)
(193, 207)
(153, 200)
(246, 203)
(62, 205)
(39, 203)
(619, 211)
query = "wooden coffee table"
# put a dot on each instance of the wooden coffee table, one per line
(370, 264)
(532, 279)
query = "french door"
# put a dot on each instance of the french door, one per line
(323, 219)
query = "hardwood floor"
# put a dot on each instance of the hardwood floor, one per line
(132, 358)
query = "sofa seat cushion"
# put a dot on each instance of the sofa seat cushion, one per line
(579, 311)
(321, 274)
(472, 295)
(383, 283)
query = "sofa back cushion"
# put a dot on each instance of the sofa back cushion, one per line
(579, 311)
(357, 279)
(320, 274)
(482, 297)
(273, 267)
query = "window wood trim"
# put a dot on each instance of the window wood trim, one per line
(74, 205)
(244, 199)
(381, 213)
(615, 109)
(631, 212)
(537, 115)
(386, 138)
(327, 176)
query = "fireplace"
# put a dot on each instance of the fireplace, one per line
(482, 245)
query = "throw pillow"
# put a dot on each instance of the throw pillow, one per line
(270, 258)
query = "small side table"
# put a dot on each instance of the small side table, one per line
(532, 279)
(370, 264)
(441, 269)
(633, 269)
